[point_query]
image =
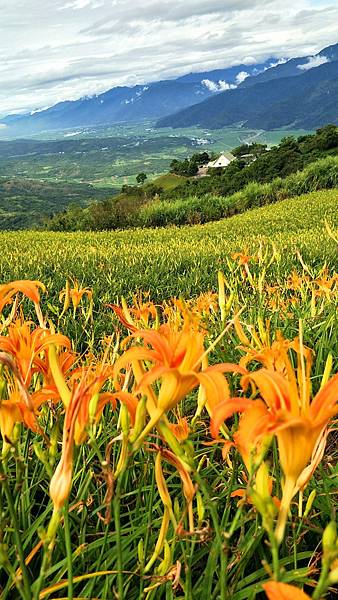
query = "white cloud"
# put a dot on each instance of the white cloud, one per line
(272, 65)
(65, 49)
(312, 62)
(248, 60)
(242, 75)
(211, 85)
(217, 86)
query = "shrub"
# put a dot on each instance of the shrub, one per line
(322, 174)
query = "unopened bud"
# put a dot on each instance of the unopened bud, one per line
(140, 551)
(333, 576)
(309, 503)
(141, 412)
(124, 420)
(329, 537)
(166, 562)
(200, 507)
(60, 484)
(161, 483)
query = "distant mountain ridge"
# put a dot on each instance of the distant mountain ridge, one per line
(307, 100)
(295, 66)
(210, 98)
(132, 104)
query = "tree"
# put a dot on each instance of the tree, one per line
(141, 177)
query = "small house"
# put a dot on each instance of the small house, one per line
(222, 161)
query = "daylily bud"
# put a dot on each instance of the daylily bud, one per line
(327, 370)
(61, 483)
(309, 503)
(221, 295)
(140, 551)
(329, 537)
(333, 577)
(92, 408)
(262, 482)
(141, 412)
(161, 484)
(200, 507)
(53, 446)
(124, 420)
(330, 550)
(167, 560)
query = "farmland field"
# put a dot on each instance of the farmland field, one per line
(43, 175)
(127, 472)
(112, 156)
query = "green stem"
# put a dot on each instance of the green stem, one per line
(116, 508)
(214, 516)
(148, 530)
(48, 547)
(26, 583)
(322, 583)
(275, 555)
(43, 569)
(69, 552)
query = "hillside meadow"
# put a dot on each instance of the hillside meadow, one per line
(171, 261)
(178, 443)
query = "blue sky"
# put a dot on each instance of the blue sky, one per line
(52, 50)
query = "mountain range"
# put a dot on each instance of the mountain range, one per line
(300, 92)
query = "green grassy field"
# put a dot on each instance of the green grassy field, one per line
(169, 181)
(174, 260)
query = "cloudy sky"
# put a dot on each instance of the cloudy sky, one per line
(52, 50)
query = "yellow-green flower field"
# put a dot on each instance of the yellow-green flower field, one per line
(167, 410)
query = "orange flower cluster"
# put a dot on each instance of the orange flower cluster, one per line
(160, 365)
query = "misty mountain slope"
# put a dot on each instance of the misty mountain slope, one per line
(229, 74)
(294, 66)
(306, 101)
(131, 104)
(223, 94)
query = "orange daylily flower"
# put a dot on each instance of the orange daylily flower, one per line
(86, 385)
(176, 360)
(139, 316)
(25, 342)
(261, 348)
(180, 429)
(95, 376)
(296, 282)
(26, 287)
(283, 591)
(287, 412)
(20, 406)
(74, 295)
(61, 481)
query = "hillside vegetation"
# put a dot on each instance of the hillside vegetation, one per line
(170, 261)
(25, 202)
(292, 168)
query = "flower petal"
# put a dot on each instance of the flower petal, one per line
(283, 591)
(226, 409)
